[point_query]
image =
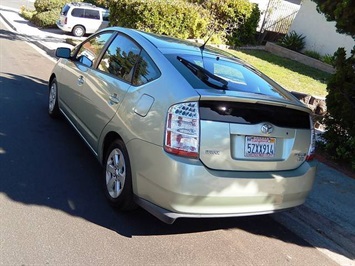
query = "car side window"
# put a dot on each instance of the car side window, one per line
(92, 14)
(78, 12)
(92, 48)
(145, 71)
(120, 58)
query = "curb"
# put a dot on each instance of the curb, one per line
(7, 22)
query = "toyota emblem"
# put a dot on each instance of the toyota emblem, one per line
(267, 128)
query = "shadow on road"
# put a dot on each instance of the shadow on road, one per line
(44, 162)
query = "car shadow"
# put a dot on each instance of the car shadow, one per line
(44, 162)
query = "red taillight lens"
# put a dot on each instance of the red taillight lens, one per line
(65, 20)
(182, 130)
(312, 146)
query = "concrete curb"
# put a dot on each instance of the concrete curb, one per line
(7, 22)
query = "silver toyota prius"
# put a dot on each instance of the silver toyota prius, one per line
(184, 130)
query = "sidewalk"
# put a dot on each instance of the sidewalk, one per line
(46, 39)
(326, 220)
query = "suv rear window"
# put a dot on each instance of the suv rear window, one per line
(65, 10)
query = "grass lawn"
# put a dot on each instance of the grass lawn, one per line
(290, 74)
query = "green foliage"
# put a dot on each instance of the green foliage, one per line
(26, 13)
(49, 5)
(342, 12)
(236, 19)
(313, 54)
(293, 41)
(246, 33)
(46, 19)
(177, 18)
(328, 58)
(340, 134)
(47, 12)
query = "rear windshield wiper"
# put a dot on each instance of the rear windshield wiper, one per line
(205, 75)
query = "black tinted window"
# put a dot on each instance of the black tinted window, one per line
(92, 14)
(120, 58)
(78, 12)
(146, 70)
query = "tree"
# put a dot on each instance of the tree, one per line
(340, 11)
(340, 133)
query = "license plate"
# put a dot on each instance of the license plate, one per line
(261, 147)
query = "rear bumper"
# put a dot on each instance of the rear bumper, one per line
(172, 187)
(63, 27)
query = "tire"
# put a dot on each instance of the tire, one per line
(78, 31)
(53, 107)
(118, 177)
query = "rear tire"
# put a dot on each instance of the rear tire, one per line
(53, 107)
(118, 177)
(78, 31)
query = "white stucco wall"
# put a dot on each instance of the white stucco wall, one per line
(321, 35)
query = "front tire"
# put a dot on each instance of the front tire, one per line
(118, 177)
(53, 107)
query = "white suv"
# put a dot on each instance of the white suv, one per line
(82, 18)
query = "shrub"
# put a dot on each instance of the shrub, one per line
(46, 19)
(293, 41)
(246, 33)
(236, 19)
(26, 13)
(47, 12)
(329, 59)
(313, 54)
(49, 5)
(176, 18)
(340, 133)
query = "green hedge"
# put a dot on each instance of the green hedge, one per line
(177, 18)
(237, 20)
(46, 19)
(49, 5)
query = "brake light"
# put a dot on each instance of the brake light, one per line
(182, 130)
(65, 21)
(312, 146)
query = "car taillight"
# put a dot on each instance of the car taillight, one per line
(312, 146)
(182, 130)
(65, 20)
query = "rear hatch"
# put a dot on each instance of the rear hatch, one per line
(253, 135)
(63, 15)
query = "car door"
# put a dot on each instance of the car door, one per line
(73, 75)
(106, 86)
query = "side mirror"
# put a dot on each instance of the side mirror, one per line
(85, 61)
(63, 52)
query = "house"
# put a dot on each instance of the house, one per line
(321, 35)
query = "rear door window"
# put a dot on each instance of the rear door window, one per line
(120, 58)
(78, 12)
(92, 14)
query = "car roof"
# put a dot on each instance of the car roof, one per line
(168, 44)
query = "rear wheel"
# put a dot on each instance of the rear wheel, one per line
(53, 108)
(78, 31)
(118, 177)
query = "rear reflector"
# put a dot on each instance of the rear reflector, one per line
(182, 130)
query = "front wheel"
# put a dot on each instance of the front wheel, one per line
(118, 177)
(53, 107)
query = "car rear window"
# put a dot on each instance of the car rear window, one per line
(238, 76)
(65, 10)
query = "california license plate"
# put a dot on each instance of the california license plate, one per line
(261, 147)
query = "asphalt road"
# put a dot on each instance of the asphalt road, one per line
(53, 211)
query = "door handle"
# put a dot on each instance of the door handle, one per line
(114, 99)
(80, 80)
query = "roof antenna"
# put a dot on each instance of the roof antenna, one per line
(202, 47)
